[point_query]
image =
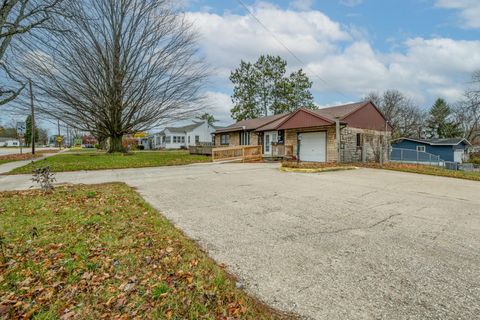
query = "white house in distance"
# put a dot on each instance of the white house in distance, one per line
(199, 132)
(9, 142)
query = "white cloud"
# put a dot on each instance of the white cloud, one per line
(302, 5)
(351, 3)
(423, 68)
(469, 11)
(219, 104)
(228, 38)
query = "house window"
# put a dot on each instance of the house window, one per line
(420, 148)
(182, 139)
(168, 139)
(244, 138)
(225, 139)
(197, 139)
(281, 137)
(174, 139)
(188, 139)
(359, 140)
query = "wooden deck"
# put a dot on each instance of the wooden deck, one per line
(251, 153)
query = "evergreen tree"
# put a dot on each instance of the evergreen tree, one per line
(293, 93)
(263, 88)
(208, 117)
(28, 131)
(245, 92)
(440, 124)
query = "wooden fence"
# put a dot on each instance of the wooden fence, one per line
(241, 153)
(201, 149)
(281, 150)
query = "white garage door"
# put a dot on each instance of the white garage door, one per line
(313, 146)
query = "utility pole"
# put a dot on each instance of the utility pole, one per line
(33, 117)
(58, 136)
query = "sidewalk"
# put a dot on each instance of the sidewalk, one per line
(7, 167)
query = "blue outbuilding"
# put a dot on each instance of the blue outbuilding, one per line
(454, 150)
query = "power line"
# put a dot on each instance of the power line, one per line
(274, 36)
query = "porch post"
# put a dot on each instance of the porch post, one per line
(337, 137)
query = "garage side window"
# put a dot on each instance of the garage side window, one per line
(359, 140)
(420, 148)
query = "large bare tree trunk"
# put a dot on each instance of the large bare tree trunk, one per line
(116, 145)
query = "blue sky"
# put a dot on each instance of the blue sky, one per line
(424, 48)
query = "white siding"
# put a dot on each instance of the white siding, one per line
(204, 133)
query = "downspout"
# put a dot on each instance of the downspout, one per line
(299, 140)
(337, 137)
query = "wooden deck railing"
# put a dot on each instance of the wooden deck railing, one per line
(201, 149)
(241, 153)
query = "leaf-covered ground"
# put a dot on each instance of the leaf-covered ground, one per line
(100, 252)
(17, 157)
(404, 167)
(102, 160)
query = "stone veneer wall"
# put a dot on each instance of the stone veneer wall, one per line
(349, 152)
(370, 149)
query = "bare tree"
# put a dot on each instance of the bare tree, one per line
(467, 112)
(17, 18)
(118, 67)
(406, 119)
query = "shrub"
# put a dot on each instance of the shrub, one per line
(475, 158)
(44, 177)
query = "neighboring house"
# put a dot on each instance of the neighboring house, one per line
(183, 137)
(9, 142)
(311, 135)
(454, 150)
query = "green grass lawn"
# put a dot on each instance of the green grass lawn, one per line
(433, 171)
(99, 251)
(412, 168)
(102, 160)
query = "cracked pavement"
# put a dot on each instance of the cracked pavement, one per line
(361, 244)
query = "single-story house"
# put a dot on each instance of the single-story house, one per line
(9, 142)
(311, 135)
(453, 150)
(182, 137)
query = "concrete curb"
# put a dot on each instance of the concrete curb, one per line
(316, 170)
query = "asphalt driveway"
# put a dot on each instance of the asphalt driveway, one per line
(362, 244)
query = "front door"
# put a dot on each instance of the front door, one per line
(269, 138)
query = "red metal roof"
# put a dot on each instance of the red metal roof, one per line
(304, 118)
(341, 111)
